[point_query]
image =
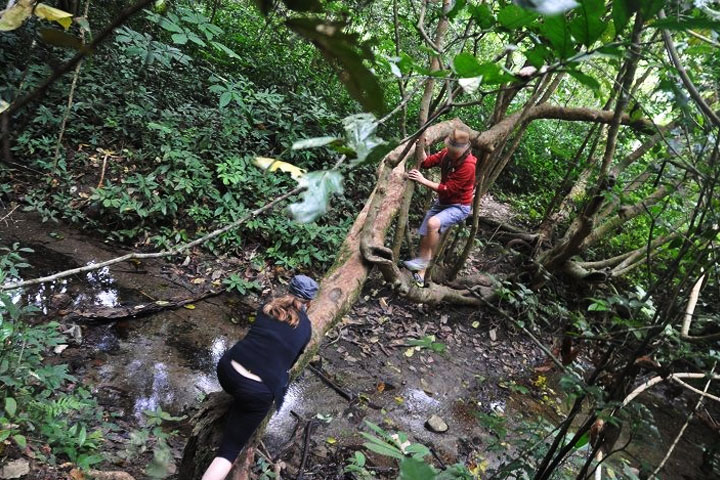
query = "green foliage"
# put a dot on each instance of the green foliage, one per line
(237, 283)
(153, 438)
(411, 457)
(41, 402)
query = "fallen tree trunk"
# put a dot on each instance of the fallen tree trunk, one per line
(338, 291)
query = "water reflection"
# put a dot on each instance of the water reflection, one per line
(160, 391)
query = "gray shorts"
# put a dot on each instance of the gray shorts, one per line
(448, 215)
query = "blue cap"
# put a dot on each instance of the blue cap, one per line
(304, 287)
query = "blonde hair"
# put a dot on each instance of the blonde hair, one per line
(286, 309)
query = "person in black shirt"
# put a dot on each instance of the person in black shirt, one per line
(255, 371)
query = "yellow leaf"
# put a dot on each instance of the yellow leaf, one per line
(190, 306)
(475, 324)
(331, 440)
(399, 400)
(410, 352)
(11, 18)
(271, 165)
(53, 14)
(198, 280)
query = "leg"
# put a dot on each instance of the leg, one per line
(430, 242)
(218, 469)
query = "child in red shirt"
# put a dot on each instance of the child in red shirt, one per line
(455, 196)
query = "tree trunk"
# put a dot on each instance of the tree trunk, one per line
(423, 115)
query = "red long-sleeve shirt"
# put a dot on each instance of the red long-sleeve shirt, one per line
(457, 184)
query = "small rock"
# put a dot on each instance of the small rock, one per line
(436, 424)
(15, 469)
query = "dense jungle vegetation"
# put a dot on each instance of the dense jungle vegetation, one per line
(152, 124)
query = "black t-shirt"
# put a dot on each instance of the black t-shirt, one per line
(270, 349)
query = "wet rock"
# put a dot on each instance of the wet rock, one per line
(436, 424)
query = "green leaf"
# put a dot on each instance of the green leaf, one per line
(622, 10)
(413, 469)
(20, 440)
(10, 406)
(313, 142)
(557, 31)
(585, 79)
(466, 65)
(650, 8)
(170, 26)
(378, 153)
(349, 53)
(482, 15)
(58, 38)
(538, 55)
(378, 446)
(321, 185)
(582, 441)
(225, 49)
(360, 135)
(180, 38)
(456, 9)
(588, 26)
(225, 99)
(513, 17)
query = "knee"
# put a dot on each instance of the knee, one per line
(434, 223)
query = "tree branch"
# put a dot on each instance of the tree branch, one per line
(164, 253)
(692, 90)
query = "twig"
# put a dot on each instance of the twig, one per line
(349, 396)
(102, 172)
(164, 253)
(291, 440)
(9, 213)
(682, 430)
(308, 432)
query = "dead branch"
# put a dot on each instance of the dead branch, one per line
(108, 314)
(164, 253)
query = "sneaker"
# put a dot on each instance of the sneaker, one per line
(419, 280)
(416, 264)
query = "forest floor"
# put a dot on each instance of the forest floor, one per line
(469, 369)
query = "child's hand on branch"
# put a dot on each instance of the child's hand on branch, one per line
(415, 176)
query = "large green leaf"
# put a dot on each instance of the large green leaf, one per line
(622, 10)
(10, 406)
(467, 66)
(412, 469)
(360, 136)
(313, 142)
(346, 52)
(315, 202)
(588, 26)
(585, 79)
(456, 9)
(538, 55)
(556, 30)
(482, 15)
(513, 17)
